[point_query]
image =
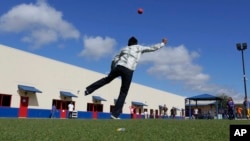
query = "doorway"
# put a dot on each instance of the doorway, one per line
(94, 108)
(23, 108)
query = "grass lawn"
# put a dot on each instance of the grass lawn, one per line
(106, 130)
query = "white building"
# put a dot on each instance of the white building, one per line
(30, 84)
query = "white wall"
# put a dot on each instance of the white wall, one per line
(50, 76)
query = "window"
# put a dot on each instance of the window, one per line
(5, 100)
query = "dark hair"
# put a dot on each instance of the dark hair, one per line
(132, 41)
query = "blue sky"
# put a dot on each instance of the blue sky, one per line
(200, 57)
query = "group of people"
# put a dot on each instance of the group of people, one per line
(231, 111)
(173, 112)
(234, 112)
(163, 113)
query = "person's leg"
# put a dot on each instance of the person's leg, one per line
(245, 112)
(232, 114)
(52, 114)
(96, 85)
(229, 114)
(248, 113)
(126, 77)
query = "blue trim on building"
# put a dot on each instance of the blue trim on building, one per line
(8, 112)
(38, 113)
(45, 113)
(84, 115)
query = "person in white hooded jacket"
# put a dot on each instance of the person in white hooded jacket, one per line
(124, 65)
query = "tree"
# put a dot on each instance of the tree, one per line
(224, 98)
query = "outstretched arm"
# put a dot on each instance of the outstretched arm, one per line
(155, 47)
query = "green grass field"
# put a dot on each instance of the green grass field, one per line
(106, 130)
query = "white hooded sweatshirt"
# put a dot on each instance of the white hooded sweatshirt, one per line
(130, 55)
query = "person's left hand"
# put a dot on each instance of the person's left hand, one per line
(165, 40)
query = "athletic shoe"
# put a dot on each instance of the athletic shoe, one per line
(113, 117)
(86, 92)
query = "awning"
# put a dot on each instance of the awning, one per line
(138, 103)
(29, 89)
(98, 98)
(67, 94)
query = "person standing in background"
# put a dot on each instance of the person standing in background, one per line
(53, 111)
(165, 110)
(132, 111)
(246, 104)
(230, 108)
(71, 109)
(239, 112)
(196, 112)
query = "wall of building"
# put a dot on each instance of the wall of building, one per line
(51, 77)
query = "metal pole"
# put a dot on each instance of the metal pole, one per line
(244, 75)
(190, 116)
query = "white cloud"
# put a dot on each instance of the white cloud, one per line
(97, 47)
(40, 23)
(176, 63)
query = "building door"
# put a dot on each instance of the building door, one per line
(23, 109)
(156, 114)
(140, 113)
(134, 113)
(151, 113)
(91, 107)
(94, 108)
(63, 109)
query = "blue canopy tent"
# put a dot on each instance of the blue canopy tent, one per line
(203, 97)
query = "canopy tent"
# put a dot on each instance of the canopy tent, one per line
(203, 97)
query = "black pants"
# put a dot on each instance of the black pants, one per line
(70, 114)
(126, 78)
(231, 113)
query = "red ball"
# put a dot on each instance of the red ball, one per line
(140, 11)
